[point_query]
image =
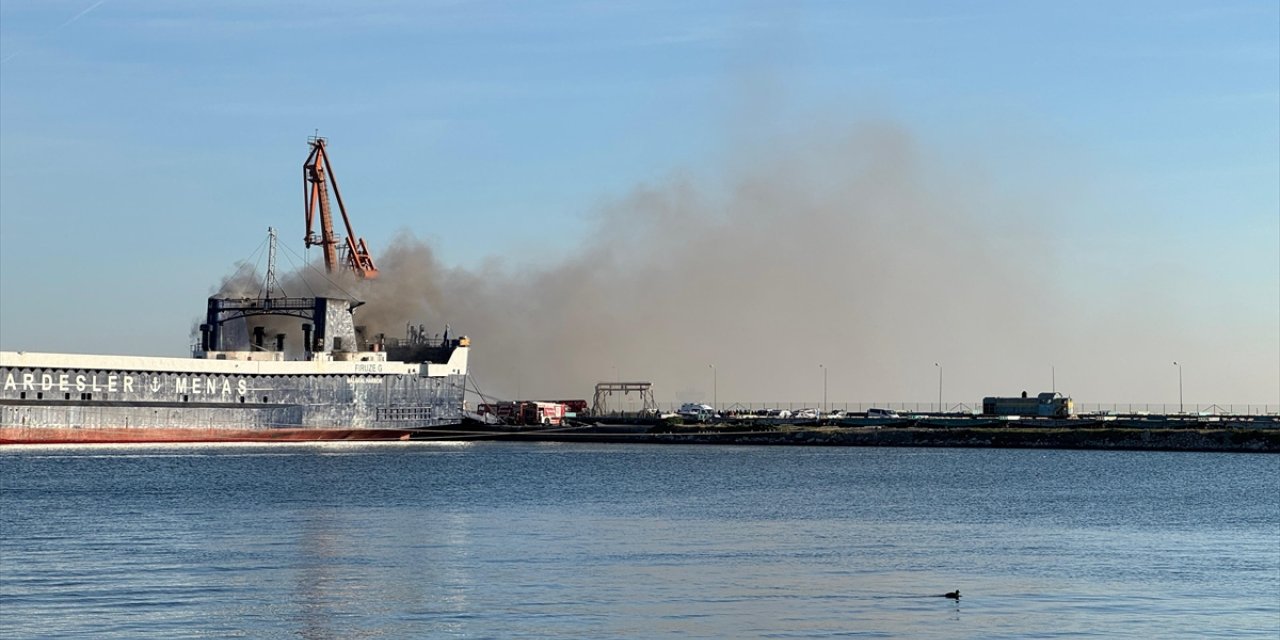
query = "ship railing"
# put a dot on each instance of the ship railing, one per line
(425, 341)
(1189, 410)
(265, 304)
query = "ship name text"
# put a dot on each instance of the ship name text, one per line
(122, 383)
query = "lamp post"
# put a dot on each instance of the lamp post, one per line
(715, 389)
(824, 387)
(1180, 409)
(939, 366)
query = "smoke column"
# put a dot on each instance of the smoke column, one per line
(843, 251)
(855, 254)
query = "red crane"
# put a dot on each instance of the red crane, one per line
(317, 174)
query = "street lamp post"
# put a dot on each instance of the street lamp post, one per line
(715, 389)
(939, 366)
(824, 387)
(1180, 409)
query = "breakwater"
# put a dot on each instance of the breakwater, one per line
(1220, 437)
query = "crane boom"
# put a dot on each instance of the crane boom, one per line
(317, 174)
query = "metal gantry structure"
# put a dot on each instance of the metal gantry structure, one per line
(601, 405)
(317, 175)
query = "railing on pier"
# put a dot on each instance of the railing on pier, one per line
(1081, 408)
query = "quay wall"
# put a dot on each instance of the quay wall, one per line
(1222, 439)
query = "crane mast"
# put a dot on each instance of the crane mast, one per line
(317, 174)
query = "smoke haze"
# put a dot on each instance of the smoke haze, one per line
(854, 256)
(841, 252)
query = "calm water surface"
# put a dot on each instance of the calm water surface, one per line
(493, 540)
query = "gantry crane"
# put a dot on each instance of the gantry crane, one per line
(317, 173)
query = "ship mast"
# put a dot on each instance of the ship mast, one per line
(317, 174)
(271, 282)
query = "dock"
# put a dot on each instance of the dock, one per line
(1252, 434)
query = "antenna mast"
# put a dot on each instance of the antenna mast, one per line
(272, 283)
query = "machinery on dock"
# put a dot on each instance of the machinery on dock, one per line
(1049, 404)
(611, 399)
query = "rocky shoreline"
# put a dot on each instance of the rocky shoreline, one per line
(1221, 439)
(1227, 440)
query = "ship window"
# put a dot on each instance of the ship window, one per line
(185, 398)
(22, 396)
(40, 395)
(264, 399)
(241, 399)
(66, 396)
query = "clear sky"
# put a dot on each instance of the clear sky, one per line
(146, 146)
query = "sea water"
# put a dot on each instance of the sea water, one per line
(524, 540)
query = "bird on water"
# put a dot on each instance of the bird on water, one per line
(954, 595)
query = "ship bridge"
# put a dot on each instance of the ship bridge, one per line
(237, 328)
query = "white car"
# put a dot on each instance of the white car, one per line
(694, 411)
(807, 414)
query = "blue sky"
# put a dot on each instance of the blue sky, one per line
(146, 146)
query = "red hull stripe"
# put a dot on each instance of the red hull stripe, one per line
(69, 435)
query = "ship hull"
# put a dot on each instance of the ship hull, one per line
(124, 435)
(62, 398)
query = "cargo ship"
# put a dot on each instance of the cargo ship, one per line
(340, 387)
(266, 368)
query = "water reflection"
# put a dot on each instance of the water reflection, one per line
(506, 541)
(381, 572)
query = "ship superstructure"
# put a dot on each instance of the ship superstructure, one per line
(241, 386)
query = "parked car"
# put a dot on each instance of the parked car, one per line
(882, 413)
(807, 414)
(695, 411)
(836, 414)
